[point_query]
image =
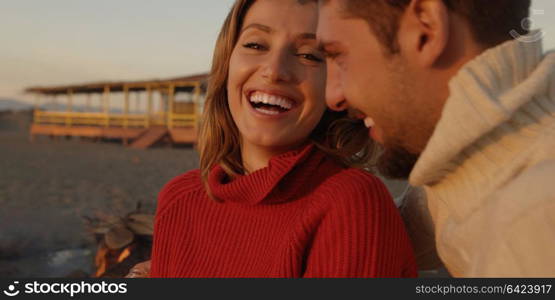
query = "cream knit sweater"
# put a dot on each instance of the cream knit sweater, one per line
(488, 170)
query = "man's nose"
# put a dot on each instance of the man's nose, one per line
(334, 89)
(278, 68)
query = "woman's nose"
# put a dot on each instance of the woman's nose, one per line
(279, 67)
(335, 98)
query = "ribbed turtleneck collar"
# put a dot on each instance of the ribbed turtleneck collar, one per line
(488, 92)
(278, 182)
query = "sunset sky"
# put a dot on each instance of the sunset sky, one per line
(69, 41)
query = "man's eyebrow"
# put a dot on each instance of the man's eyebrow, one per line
(258, 26)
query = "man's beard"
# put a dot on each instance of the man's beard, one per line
(396, 162)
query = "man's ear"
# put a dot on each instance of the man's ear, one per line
(424, 31)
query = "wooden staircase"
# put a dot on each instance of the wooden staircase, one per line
(149, 138)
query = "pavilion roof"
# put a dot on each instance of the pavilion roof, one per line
(183, 83)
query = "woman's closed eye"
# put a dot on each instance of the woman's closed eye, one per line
(310, 56)
(254, 46)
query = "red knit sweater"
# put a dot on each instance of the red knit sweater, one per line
(302, 216)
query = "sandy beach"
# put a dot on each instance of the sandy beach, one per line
(48, 186)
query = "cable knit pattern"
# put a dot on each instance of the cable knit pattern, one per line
(489, 167)
(302, 216)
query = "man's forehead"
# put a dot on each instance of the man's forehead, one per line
(337, 6)
(329, 17)
(329, 14)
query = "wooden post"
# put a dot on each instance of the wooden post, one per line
(69, 107)
(37, 100)
(149, 106)
(106, 106)
(162, 107)
(125, 111)
(171, 91)
(70, 100)
(137, 101)
(196, 104)
(36, 113)
(88, 104)
(125, 106)
(36, 118)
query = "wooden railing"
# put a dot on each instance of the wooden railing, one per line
(170, 120)
(182, 120)
(174, 114)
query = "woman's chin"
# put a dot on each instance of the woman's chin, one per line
(275, 143)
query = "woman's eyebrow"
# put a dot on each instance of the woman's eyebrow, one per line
(258, 26)
(268, 29)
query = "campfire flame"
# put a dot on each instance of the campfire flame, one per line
(122, 242)
(106, 258)
(100, 261)
(124, 254)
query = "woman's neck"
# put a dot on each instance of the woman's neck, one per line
(257, 157)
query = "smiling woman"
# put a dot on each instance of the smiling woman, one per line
(275, 195)
(276, 80)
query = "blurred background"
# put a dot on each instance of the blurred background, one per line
(68, 206)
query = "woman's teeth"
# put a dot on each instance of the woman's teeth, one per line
(270, 104)
(368, 122)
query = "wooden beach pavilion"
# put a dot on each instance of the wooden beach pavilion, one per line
(148, 111)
